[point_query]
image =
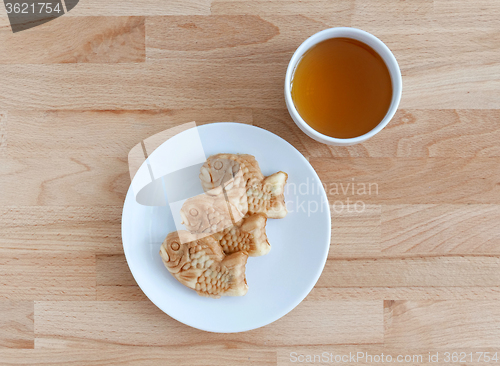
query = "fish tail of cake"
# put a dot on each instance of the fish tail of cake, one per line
(233, 268)
(254, 226)
(275, 186)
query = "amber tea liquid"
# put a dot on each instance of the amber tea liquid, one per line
(342, 88)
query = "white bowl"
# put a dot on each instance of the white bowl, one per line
(366, 38)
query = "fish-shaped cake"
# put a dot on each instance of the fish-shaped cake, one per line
(264, 194)
(201, 265)
(205, 214)
(211, 212)
(249, 235)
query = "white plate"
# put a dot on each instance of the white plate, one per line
(278, 281)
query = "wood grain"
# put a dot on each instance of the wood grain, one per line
(62, 228)
(77, 40)
(16, 324)
(355, 234)
(46, 275)
(434, 293)
(441, 229)
(142, 323)
(114, 281)
(414, 229)
(94, 133)
(272, 39)
(145, 7)
(415, 271)
(437, 271)
(174, 84)
(411, 180)
(479, 321)
(389, 15)
(64, 181)
(140, 356)
(171, 37)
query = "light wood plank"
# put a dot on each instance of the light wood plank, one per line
(429, 16)
(412, 272)
(60, 181)
(245, 37)
(413, 293)
(465, 14)
(141, 323)
(114, 280)
(408, 180)
(412, 133)
(146, 7)
(120, 293)
(95, 133)
(408, 230)
(45, 275)
(442, 324)
(355, 234)
(62, 228)
(146, 86)
(440, 229)
(113, 270)
(169, 36)
(388, 15)
(340, 11)
(77, 40)
(3, 132)
(141, 356)
(16, 324)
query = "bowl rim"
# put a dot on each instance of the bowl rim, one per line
(343, 32)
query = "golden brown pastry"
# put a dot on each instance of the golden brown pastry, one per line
(210, 213)
(249, 235)
(264, 194)
(206, 213)
(201, 265)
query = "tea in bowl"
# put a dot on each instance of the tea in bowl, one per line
(342, 86)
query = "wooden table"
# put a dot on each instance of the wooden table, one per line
(417, 271)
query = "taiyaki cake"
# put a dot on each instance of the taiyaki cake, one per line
(206, 214)
(201, 265)
(225, 225)
(249, 235)
(264, 194)
(211, 212)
